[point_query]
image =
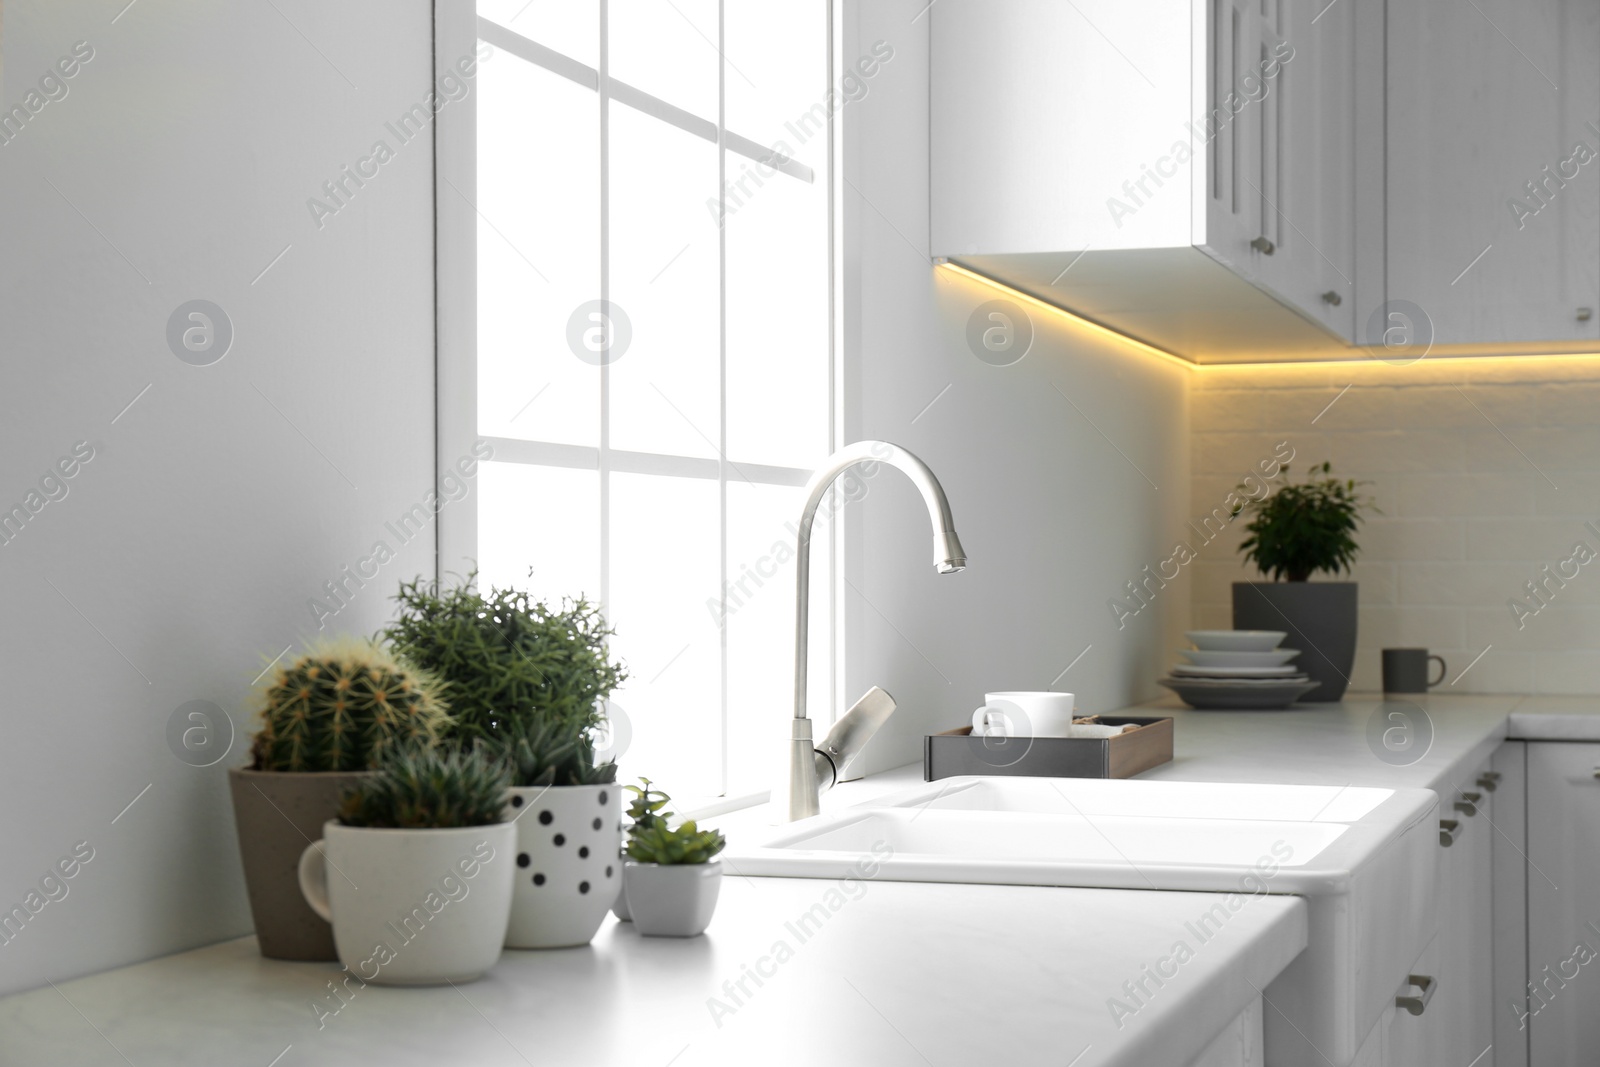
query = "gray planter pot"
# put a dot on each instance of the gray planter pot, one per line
(1320, 618)
(277, 814)
(672, 900)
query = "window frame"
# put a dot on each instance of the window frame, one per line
(457, 32)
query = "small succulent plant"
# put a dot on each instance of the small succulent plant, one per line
(429, 789)
(341, 707)
(553, 752)
(652, 840)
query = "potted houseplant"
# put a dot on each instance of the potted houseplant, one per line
(672, 877)
(567, 811)
(528, 679)
(506, 657)
(1300, 530)
(325, 720)
(645, 811)
(415, 873)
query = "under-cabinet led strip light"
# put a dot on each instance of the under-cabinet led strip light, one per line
(1151, 350)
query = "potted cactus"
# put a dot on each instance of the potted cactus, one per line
(325, 720)
(672, 877)
(415, 874)
(567, 810)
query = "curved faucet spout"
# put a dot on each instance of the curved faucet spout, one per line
(948, 557)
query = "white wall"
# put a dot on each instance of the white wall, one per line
(219, 503)
(1485, 474)
(1053, 516)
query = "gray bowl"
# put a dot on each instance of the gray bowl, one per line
(1221, 694)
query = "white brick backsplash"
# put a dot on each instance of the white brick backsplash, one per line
(1461, 495)
(1485, 473)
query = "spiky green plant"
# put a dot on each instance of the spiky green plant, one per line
(429, 789)
(652, 839)
(506, 656)
(552, 752)
(341, 706)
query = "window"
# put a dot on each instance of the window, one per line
(649, 192)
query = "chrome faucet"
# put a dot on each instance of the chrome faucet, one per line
(813, 770)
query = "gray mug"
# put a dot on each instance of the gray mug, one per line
(1405, 670)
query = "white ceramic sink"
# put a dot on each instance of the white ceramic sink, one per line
(1353, 852)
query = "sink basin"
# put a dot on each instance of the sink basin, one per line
(1352, 852)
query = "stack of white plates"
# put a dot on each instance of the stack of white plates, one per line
(1238, 669)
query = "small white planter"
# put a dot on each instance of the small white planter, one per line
(672, 900)
(567, 871)
(413, 907)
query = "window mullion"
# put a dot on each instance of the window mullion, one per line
(722, 381)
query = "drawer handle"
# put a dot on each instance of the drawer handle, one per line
(1468, 804)
(1332, 298)
(1490, 780)
(1264, 246)
(1425, 984)
(1448, 829)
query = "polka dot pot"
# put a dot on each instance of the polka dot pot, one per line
(567, 871)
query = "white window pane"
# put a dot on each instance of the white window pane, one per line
(776, 72)
(668, 48)
(538, 146)
(665, 544)
(571, 27)
(760, 626)
(664, 277)
(777, 319)
(543, 518)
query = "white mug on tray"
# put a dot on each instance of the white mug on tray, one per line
(1024, 715)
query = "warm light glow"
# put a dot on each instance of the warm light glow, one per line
(1525, 362)
(1077, 320)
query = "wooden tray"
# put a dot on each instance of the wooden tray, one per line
(957, 752)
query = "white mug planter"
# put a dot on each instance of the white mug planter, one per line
(672, 900)
(567, 871)
(413, 907)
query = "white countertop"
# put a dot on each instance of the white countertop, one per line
(913, 973)
(903, 973)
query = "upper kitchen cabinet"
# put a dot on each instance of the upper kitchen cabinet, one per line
(1493, 149)
(1203, 175)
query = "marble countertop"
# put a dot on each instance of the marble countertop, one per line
(886, 973)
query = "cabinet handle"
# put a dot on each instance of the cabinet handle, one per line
(1425, 984)
(1467, 806)
(1332, 298)
(1490, 781)
(1264, 246)
(1584, 314)
(1448, 829)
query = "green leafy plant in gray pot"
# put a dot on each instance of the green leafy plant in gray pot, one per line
(326, 720)
(672, 878)
(1300, 530)
(527, 680)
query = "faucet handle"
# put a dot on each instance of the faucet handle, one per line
(854, 729)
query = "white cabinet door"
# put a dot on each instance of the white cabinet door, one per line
(1238, 94)
(1485, 104)
(1306, 170)
(1415, 1040)
(1564, 904)
(1465, 1000)
(1510, 903)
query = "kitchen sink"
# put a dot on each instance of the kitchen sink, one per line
(1350, 851)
